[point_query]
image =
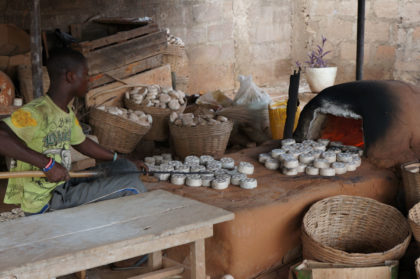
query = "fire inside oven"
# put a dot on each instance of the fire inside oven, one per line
(345, 130)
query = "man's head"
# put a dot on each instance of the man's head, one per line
(67, 68)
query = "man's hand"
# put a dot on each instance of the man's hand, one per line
(140, 165)
(57, 173)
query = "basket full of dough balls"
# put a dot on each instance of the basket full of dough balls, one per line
(411, 181)
(199, 134)
(159, 103)
(354, 230)
(414, 220)
(119, 129)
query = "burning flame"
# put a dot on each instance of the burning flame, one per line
(346, 130)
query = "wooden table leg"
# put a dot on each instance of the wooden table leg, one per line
(155, 260)
(81, 274)
(198, 261)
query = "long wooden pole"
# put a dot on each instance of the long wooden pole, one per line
(36, 51)
(22, 174)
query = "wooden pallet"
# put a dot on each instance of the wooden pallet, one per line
(123, 54)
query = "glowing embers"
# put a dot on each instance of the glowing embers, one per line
(346, 130)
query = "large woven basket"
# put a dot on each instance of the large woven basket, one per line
(116, 133)
(414, 220)
(159, 130)
(354, 230)
(411, 184)
(201, 139)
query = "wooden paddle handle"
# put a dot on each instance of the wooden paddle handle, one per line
(22, 174)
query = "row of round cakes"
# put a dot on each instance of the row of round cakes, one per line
(217, 174)
(319, 157)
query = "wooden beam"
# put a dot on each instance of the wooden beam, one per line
(155, 260)
(160, 274)
(197, 258)
(36, 49)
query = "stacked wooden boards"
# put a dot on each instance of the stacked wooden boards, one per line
(123, 54)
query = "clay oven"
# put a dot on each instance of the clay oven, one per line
(381, 116)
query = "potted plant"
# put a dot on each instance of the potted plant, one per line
(317, 72)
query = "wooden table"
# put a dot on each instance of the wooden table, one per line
(67, 241)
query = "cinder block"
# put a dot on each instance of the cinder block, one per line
(377, 31)
(348, 50)
(348, 8)
(228, 10)
(271, 50)
(206, 78)
(336, 29)
(386, 8)
(324, 7)
(220, 32)
(208, 12)
(385, 55)
(205, 54)
(263, 32)
(196, 35)
(416, 33)
(227, 50)
(410, 11)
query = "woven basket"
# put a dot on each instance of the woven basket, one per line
(160, 129)
(25, 81)
(411, 183)
(201, 140)
(414, 220)
(116, 133)
(354, 230)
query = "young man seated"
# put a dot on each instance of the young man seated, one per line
(39, 136)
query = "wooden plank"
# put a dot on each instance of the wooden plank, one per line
(118, 37)
(114, 56)
(36, 49)
(160, 75)
(42, 266)
(352, 273)
(116, 230)
(83, 164)
(81, 274)
(126, 70)
(76, 31)
(197, 258)
(155, 260)
(160, 274)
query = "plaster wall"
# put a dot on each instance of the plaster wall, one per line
(262, 38)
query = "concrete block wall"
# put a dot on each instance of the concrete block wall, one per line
(262, 38)
(392, 36)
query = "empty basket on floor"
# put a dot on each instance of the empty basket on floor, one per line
(411, 182)
(201, 140)
(414, 220)
(115, 132)
(354, 230)
(159, 130)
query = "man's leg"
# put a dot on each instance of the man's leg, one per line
(82, 191)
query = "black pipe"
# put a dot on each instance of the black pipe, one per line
(360, 38)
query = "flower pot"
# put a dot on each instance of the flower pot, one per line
(320, 78)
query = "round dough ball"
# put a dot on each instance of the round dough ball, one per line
(249, 183)
(321, 163)
(246, 168)
(327, 172)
